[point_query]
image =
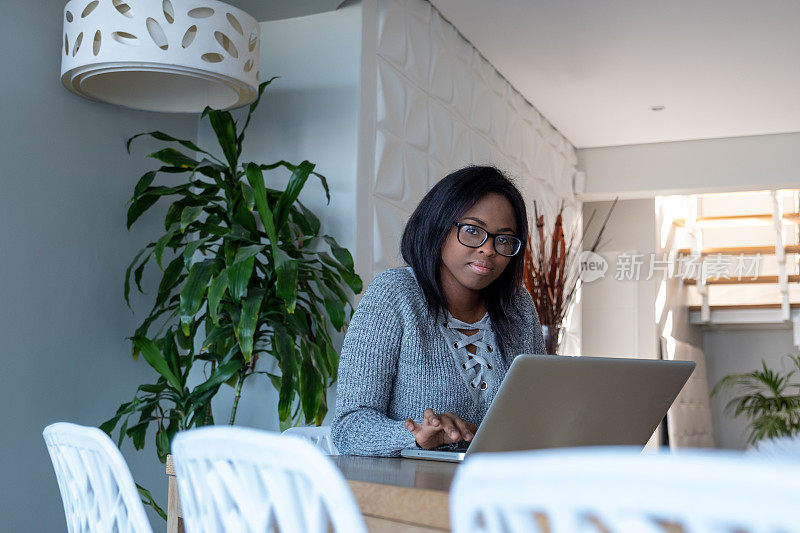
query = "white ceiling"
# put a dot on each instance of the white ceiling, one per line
(721, 68)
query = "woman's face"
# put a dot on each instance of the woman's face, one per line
(476, 268)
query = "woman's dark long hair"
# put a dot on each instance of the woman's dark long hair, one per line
(432, 220)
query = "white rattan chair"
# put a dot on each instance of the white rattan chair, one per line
(318, 436)
(622, 490)
(237, 479)
(96, 486)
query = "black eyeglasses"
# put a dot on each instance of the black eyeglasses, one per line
(473, 236)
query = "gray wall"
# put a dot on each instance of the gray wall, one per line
(737, 351)
(65, 178)
(618, 317)
(709, 165)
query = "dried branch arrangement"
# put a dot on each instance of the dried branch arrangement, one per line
(552, 269)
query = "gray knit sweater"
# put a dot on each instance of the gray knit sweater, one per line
(396, 362)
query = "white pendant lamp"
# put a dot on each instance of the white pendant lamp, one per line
(160, 55)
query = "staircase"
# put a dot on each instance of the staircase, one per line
(741, 257)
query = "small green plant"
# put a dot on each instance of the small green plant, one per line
(770, 400)
(245, 275)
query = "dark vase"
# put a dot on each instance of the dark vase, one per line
(552, 336)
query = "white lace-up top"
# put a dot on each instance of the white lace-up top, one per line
(478, 369)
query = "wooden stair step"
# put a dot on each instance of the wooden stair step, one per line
(739, 220)
(742, 306)
(793, 278)
(746, 250)
(793, 217)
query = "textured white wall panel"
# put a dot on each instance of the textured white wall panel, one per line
(439, 105)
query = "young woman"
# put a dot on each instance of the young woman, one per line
(429, 344)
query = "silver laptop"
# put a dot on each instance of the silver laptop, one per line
(549, 401)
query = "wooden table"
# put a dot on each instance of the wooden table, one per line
(394, 494)
(397, 494)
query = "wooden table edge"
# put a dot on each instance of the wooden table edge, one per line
(420, 507)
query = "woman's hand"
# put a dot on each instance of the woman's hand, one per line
(439, 429)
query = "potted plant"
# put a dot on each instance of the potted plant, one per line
(769, 400)
(246, 276)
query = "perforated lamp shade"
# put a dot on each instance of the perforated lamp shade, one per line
(160, 55)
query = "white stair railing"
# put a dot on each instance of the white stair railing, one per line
(695, 234)
(780, 254)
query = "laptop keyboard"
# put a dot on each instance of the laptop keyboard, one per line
(454, 447)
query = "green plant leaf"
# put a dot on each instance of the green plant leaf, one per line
(154, 358)
(143, 183)
(341, 254)
(197, 404)
(310, 218)
(225, 129)
(352, 279)
(162, 190)
(238, 233)
(171, 278)
(286, 269)
(124, 409)
(283, 425)
(137, 434)
(310, 389)
(246, 252)
(175, 158)
(193, 291)
(156, 388)
(191, 248)
(139, 206)
(275, 380)
(175, 209)
(137, 274)
(162, 242)
(333, 361)
(286, 352)
(220, 375)
(332, 281)
(171, 355)
(127, 287)
(263, 85)
(324, 181)
(154, 315)
(215, 293)
(147, 499)
(292, 167)
(244, 217)
(300, 322)
(239, 278)
(246, 327)
(109, 425)
(248, 194)
(333, 306)
(322, 410)
(219, 333)
(289, 196)
(168, 138)
(162, 444)
(189, 215)
(320, 360)
(256, 179)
